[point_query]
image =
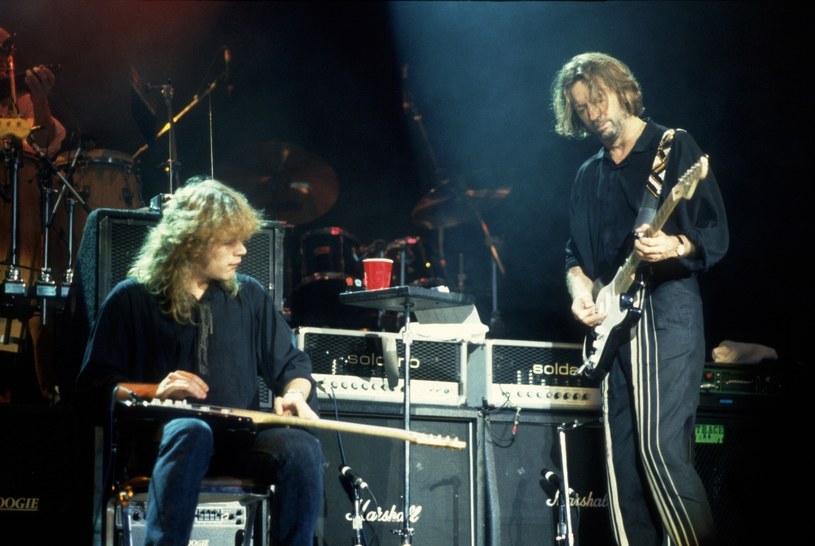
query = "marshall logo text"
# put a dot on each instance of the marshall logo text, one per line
(386, 516)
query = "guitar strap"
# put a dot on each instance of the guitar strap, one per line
(653, 186)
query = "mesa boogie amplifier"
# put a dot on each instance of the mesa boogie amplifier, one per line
(530, 374)
(351, 364)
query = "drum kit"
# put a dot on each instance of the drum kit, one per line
(330, 258)
(45, 204)
(43, 222)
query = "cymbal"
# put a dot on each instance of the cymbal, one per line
(288, 182)
(442, 208)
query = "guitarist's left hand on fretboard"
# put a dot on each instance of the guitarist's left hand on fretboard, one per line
(656, 247)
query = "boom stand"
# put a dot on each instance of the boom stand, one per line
(406, 299)
(565, 530)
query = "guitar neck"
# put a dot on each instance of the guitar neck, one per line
(683, 189)
(271, 419)
(626, 274)
(170, 409)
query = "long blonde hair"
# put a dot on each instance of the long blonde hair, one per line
(200, 214)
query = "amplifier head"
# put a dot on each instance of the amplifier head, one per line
(352, 365)
(530, 374)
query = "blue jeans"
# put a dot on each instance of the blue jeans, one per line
(289, 458)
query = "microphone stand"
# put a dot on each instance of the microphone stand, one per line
(170, 165)
(565, 532)
(353, 489)
(356, 522)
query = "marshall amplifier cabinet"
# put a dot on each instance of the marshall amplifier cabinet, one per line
(352, 365)
(530, 375)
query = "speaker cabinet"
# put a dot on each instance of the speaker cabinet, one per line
(46, 476)
(754, 470)
(112, 237)
(442, 491)
(522, 507)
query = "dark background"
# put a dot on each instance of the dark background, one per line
(330, 78)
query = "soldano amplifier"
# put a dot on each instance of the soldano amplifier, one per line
(530, 374)
(353, 364)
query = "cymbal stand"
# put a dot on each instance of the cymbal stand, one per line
(68, 277)
(13, 285)
(46, 287)
(409, 106)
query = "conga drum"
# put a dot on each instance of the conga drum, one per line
(104, 179)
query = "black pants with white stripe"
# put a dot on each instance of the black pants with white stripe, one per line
(650, 399)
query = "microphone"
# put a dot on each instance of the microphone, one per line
(356, 481)
(551, 477)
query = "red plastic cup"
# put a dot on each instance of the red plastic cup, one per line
(377, 273)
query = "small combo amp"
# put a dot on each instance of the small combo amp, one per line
(216, 523)
(531, 375)
(353, 365)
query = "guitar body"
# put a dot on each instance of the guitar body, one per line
(622, 312)
(620, 299)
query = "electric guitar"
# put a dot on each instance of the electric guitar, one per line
(619, 299)
(168, 409)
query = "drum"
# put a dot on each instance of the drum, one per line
(104, 179)
(315, 302)
(330, 250)
(29, 219)
(411, 263)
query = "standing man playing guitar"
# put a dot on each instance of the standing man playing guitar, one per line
(654, 357)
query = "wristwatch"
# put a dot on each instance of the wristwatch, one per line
(680, 248)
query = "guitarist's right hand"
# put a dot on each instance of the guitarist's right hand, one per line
(584, 310)
(581, 289)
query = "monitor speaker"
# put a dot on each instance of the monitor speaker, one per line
(442, 491)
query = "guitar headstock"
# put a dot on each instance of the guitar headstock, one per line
(687, 183)
(15, 127)
(436, 440)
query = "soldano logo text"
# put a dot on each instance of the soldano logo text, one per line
(373, 359)
(564, 369)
